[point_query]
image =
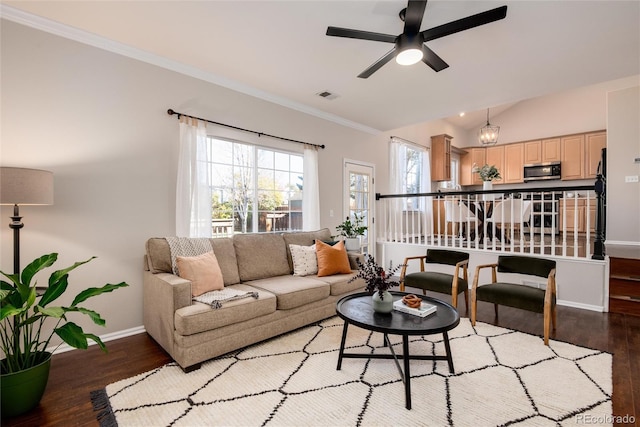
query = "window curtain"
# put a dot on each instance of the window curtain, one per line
(310, 190)
(193, 192)
(426, 203)
(397, 185)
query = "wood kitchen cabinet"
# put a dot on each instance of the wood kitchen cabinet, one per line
(441, 157)
(569, 208)
(572, 157)
(532, 152)
(495, 157)
(473, 155)
(551, 150)
(594, 143)
(513, 164)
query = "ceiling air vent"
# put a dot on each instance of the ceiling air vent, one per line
(327, 95)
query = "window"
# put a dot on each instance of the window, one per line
(255, 189)
(454, 183)
(413, 174)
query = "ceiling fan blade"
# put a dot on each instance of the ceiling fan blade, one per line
(413, 16)
(378, 64)
(465, 23)
(430, 58)
(362, 35)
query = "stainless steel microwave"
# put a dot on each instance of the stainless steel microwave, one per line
(542, 171)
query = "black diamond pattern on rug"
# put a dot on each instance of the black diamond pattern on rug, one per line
(503, 377)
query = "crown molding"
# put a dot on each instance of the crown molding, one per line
(91, 39)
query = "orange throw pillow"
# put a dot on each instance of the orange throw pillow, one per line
(203, 271)
(332, 259)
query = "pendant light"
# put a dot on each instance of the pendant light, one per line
(488, 134)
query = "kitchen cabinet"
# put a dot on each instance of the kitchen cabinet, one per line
(532, 152)
(594, 143)
(441, 157)
(513, 164)
(474, 155)
(551, 151)
(571, 208)
(572, 157)
(495, 157)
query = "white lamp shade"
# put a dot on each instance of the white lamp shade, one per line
(22, 186)
(409, 56)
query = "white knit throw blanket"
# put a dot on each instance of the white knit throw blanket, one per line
(187, 246)
(216, 298)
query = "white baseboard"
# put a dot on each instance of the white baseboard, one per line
(105, 338)
(598, 308)
(620, 243)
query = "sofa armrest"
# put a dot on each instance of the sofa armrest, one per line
(353, 256)
(163, 294)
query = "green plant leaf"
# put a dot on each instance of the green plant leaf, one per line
(4, 293)
(57, 312)
(6, 285)
(91, 292)
(57, 275)
(73, 335)
(37, 265)
(10, 310)
(54, 290)
(97, 341)
(97, 319)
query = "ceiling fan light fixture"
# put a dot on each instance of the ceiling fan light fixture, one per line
(488, 134)
(409, 56)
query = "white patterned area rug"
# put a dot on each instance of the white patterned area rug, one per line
(502, 377)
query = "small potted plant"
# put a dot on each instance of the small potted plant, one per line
(488, 174)
(352, 231)
(377, 282)
(24, 338)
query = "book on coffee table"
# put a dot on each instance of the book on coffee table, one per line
(424, 310)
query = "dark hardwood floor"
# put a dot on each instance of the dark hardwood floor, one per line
(76, 373)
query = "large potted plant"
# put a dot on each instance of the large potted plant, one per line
(24, 338)
(352, 231)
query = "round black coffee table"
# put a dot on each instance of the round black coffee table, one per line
(356, 309)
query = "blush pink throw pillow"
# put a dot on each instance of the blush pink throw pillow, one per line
(203, 271)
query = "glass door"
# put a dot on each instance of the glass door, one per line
(358, 199)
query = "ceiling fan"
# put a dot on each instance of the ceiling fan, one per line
(409, 46)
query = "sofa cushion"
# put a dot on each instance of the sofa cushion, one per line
(203, 271)
(200, 317)
(303, 238)
(159, 257)
(260, 255)
(305, 261)
(340, 284)
(293, 291)
(332, 259)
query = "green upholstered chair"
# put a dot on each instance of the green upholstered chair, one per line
(445, 283)
(519, 295)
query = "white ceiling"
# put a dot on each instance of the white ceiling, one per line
(279, 51)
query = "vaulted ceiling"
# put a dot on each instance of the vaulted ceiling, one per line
(278, 50)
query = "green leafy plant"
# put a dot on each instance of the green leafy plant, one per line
(23, 313)
(487, 173)
(374, 276)
(352, 228)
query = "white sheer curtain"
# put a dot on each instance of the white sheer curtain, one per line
(397, 184)
(310, 190)
(193, 192)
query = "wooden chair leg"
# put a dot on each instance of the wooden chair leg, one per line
(553, 317)
(547, 321)
(466, 301)
(495, 309)
(474, 308)
(454, 301)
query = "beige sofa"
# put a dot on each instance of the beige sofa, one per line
(192, 332)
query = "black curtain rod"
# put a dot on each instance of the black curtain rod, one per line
(171, 113)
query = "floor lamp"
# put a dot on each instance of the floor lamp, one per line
(21, 186)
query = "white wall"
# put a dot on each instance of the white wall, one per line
(623, 199)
